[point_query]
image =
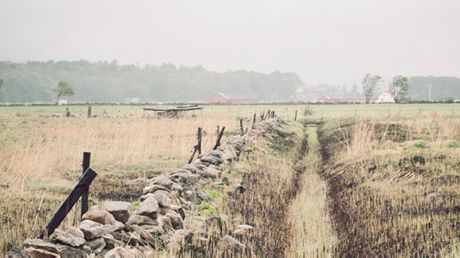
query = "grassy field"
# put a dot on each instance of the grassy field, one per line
(41, 152)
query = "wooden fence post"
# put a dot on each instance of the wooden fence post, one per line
(89, 111)
(241, 126)
(254, 121)
(69, 202)
(218, 138)
(197, 147)
(262, 115)
(295, 116)
(84, 196)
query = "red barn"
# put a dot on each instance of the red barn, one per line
(219, 98)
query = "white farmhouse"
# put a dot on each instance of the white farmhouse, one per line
(385, 97)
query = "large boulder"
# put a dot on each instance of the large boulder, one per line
(71, 236)
(162, 180)
(149, 207)
(162, 198)
(100, 215)
(119, 210)
(92, 229)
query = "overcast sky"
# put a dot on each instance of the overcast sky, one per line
(323, 41)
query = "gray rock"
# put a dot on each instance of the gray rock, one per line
(111, 242)
(144, 234)
(119, 210)
(141, 220)
(97, 245)
(162, 180)
(71, 236)
(42, 245)
(153, 188)
(209, 172)
(92, 229)
(162, 198)
(149, 207)
(176, 220)
(38, 253)
(191, 167)
(154, 230)
(211, 160)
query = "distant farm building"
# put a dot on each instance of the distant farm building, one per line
(385, 97)
(323, 99)
(221, 98)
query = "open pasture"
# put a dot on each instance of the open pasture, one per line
(41, 149)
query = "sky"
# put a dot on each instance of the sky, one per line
(328, 41)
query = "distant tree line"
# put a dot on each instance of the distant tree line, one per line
(111, 82)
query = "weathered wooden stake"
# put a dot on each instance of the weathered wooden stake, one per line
(262, 115)
(197, 147)
(89, 111)
(199, 136)
(221, 133)
(84, 196)
(69, 202)
(254, 121)
(268, 114)
(295, 116)
(241, 126)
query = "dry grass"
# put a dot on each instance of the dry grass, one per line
(312, 232)
(41, 159)
(393, 195)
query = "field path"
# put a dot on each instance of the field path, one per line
(312, 232)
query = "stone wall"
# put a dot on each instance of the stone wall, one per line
(156, 222)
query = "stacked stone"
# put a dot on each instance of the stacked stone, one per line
(113, 229)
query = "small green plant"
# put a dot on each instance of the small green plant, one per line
(453, 145)
(135, 205)
(206, 208)
(214, 194)
(420, 145)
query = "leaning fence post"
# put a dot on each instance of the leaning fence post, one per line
(218, 138)
(69, 202)
(84, 196)
(197, 147)
(295, 116)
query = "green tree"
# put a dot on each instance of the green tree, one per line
(399, 87)
(370, 85)
(63, 89)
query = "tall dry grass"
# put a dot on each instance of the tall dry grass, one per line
(41, 159)
(394, 185)
(52, 147)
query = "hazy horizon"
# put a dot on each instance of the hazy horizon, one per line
(332, 42)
